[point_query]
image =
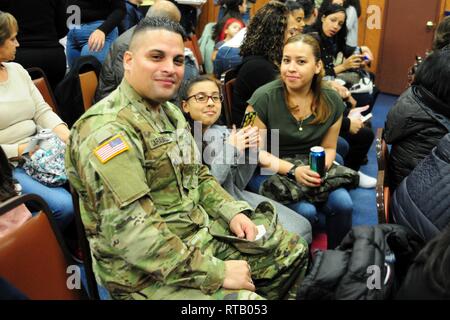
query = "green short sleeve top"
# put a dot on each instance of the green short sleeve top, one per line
(270, 104)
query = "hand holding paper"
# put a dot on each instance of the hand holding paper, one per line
(261, 231)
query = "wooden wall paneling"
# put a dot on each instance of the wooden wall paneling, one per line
(367, 35)
(445, 6)
(259, 4)
(404, 35)
(210, 11)
(208, 14)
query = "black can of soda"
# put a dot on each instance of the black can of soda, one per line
(317, 160)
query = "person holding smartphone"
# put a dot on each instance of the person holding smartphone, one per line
(331, 32)
(228, 154)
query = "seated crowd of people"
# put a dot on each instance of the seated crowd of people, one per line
(178, 204)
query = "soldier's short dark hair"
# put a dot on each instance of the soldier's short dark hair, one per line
(157, 23)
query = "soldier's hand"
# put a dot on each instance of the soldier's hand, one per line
(238, 276)
(355, 125)
(242, 227)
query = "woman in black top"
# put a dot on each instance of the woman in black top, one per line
(262, 50)
(93, 27)
(332, 33)
(42, 23)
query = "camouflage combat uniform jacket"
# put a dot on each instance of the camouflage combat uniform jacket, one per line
(147, 204)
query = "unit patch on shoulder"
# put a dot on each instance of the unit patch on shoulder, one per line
(111, 148)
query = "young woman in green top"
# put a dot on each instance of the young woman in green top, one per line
(306, 114)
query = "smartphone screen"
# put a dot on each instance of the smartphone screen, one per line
(249, 119)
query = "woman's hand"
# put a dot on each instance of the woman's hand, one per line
(304, 175)
(96, 40)
(339, 88)
(247, 137)
(352, 101)
(368, 53)
(355, 125)
(353, 62)
(62, 132)
(22, 148)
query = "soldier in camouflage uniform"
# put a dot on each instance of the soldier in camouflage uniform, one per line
(159, 225)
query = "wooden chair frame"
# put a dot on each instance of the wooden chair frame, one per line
(40, 80)
(28, 277)
(192, 43)
(85, 249)
(227, 80)
(88, 84)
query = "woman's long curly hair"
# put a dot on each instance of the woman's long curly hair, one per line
(265, 33)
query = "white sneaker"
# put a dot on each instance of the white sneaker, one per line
(363, 86)
(366, 181)
(18, 187)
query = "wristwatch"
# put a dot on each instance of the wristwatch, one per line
(291, 173)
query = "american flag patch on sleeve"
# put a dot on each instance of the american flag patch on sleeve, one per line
(111, 148)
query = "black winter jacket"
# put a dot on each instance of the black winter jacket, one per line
(414, 125)
(351, 271)
(427, 277)
(68, 92)
(422, 201)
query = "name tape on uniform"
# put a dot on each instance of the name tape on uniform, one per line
(111, 148)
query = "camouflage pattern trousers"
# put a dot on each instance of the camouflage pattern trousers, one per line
(276, 275)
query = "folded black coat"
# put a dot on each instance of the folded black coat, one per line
(68, 93)
(369, 264)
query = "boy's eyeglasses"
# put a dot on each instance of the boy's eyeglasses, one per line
(203, 98)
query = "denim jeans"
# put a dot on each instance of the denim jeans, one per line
(226, 58)
(337, 210)
(342, 148)
(58, 199)
(132, 17)
(77, 42)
